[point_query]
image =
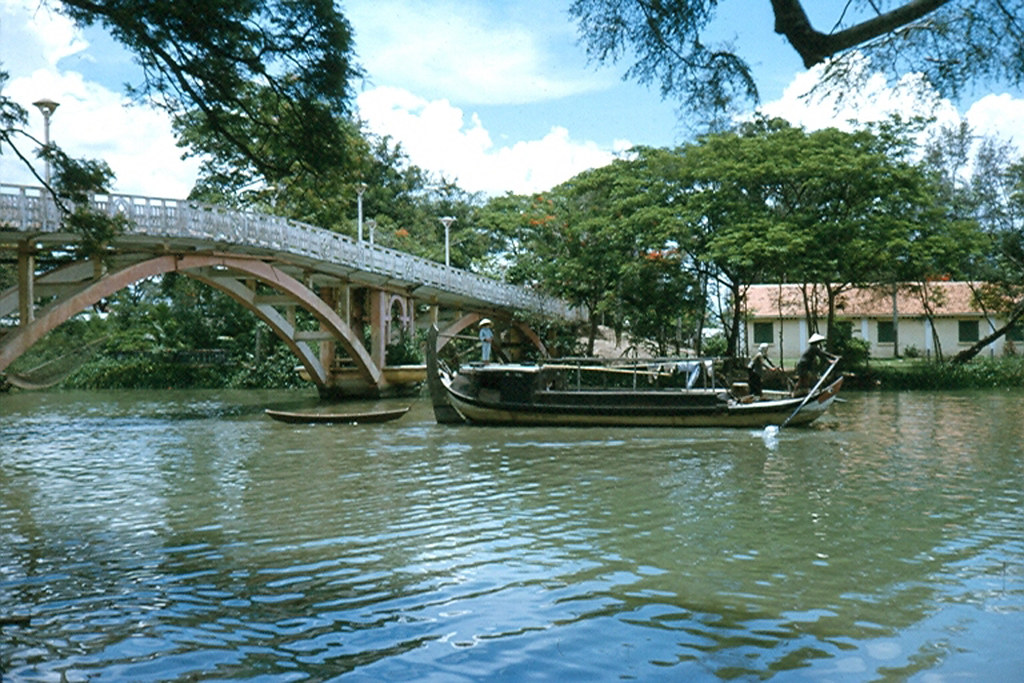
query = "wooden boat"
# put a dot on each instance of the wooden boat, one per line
(587, 393)
(337, 418)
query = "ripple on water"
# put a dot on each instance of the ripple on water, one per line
(182, 537)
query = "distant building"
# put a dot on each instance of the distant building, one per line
(776, 315)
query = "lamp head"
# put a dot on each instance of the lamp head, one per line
(47, 107)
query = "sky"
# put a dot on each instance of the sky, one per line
(497, 95)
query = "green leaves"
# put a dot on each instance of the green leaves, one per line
(249, 73)
(953, 43)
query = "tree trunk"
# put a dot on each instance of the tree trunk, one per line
(976, 347)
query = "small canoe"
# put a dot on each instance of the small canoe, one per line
(337, 418)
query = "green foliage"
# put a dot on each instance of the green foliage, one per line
(275, 371)
(854, 351)
(980, 373)
(715, 345)
(142, 372)
(407, 350)
(677, 44)
(246, 73)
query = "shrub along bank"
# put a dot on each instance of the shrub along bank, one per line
(980, 373)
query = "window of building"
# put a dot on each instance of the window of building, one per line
(764, 333)
(1016, 333)
(968, 331)
(886, 332)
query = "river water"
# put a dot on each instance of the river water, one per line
(184, 536)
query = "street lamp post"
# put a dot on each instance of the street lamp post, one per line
(447, 221)
(360, 189)
(47, 107)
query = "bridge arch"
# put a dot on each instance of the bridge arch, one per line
(470, 319)
(216, 271)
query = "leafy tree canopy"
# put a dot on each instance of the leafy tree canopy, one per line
(267, 78)
(247, 70)
(953, 43)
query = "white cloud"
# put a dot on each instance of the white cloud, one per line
(437, 137)
(92, 121)
(874, 100)
(1000, 116)
(33, 36)
(471, 52)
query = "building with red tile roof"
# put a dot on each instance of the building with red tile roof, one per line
(942, 315)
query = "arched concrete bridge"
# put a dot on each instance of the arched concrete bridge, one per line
(270, 265)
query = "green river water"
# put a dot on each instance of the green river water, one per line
(184, 536)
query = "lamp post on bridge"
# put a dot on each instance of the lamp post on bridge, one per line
(46, 107)
(360, 189)
(447, 221)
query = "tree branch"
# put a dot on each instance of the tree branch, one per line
(814, 47)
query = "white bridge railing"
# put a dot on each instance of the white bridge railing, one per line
(28, 209)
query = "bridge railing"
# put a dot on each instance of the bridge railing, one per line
(29, 209)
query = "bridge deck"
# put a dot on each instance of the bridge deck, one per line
(162, 226)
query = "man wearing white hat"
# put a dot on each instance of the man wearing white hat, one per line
(808, 360)
(486, 337)
(755, 369)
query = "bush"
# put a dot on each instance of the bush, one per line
(276, 371)
(980, 373)
(854, 350)
(405, 351)
(715, 346)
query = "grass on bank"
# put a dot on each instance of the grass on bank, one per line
(908, 374)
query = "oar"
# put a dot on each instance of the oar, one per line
(810, 393)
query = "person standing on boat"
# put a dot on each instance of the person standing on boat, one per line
(755, 370)
(806, 366)
(486, 337)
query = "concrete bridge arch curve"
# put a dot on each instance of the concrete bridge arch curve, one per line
(220, 272)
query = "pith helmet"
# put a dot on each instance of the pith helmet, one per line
(815, 338)
(484, 322)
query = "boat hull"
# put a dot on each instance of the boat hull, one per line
(531, 395)
(336, 418)
(629, 413)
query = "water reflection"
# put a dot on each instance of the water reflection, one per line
(168, 536)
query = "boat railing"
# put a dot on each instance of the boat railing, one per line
(694, 372)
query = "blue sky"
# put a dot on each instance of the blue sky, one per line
(495, 94)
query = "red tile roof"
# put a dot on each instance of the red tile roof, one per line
(947, 299)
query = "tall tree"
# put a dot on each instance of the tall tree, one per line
(269, 79)
(983, 181)
(249, 71)
(952, 42)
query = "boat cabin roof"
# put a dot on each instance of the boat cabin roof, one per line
(506, 367)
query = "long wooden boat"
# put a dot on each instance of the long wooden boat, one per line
(337, 418)
(588, 394)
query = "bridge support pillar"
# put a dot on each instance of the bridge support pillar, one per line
(26, 283)
(378, 326)
(328, 349)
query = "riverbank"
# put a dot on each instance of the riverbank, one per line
(910, 374)
(278, 372)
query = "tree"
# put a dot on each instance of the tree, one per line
(983, 183)
(953, 43)
(583, 249)
(247, 72)
(268, 80)
(771, 202)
